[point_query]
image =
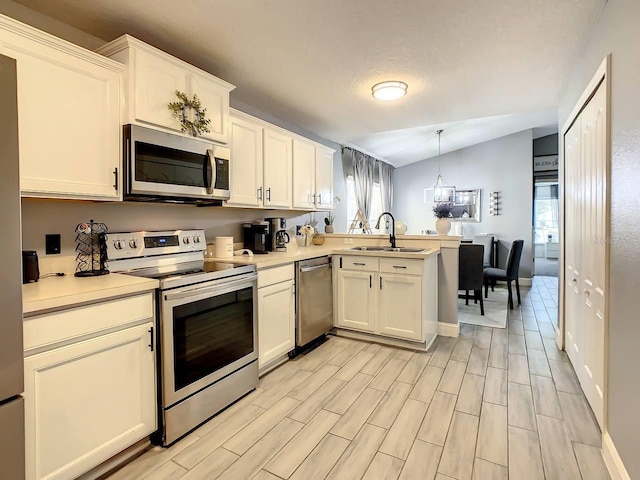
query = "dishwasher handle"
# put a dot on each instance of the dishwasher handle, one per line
(317, 267)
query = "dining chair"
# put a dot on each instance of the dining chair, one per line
(470, 276)
(487, 242)
(510, 274)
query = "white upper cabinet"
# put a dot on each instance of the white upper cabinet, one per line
(153, 76)
(304, 159)
(68, 115)
(246, 163)
(277, 169)
(324, 179)
(274, 168)
(312, 176)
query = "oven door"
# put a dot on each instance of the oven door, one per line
(207, 332)
(166, 165)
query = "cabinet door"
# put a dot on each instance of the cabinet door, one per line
(276, 321)
(304, 157)
(156, 82)
(246, 163)
(68, 119)
(277, 169)
(88, 401)
(324, 179)
(215, 99)
(400, 306)
(356, 301)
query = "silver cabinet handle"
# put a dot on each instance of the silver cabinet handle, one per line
(380, 283)
(313, 198)
(319, 199)
(260, 193)
(269, 194)
(359, 264)
(399, 266)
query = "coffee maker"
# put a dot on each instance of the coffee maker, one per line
(278, 237)
(256, 236)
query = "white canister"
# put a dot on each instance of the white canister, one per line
(224, 247)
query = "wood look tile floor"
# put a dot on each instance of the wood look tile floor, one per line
(491, 404)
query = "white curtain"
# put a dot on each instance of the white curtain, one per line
(386, 185)
(363, 173)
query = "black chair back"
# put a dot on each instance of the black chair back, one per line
(470, 267)
(487, 242)
(513, 260)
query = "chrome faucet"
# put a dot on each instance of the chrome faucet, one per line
(392, 236)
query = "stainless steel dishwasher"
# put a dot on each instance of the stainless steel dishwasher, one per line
(314, 299)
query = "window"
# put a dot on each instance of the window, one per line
(352, 203)
(545, 209)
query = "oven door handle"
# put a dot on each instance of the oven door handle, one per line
(192, 292)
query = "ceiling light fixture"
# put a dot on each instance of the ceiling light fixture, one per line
(442, 193)
(389, 90)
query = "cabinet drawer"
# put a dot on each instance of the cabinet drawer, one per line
(271, 276)
(401, 265)
(367, 264)
(56, 327)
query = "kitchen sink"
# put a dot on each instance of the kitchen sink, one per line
(387, 249)
(403, 249)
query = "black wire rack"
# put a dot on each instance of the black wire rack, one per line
(91, 248)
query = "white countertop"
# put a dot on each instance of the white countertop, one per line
(273, 259)
(52, 293)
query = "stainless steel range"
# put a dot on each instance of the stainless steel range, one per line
(207, 324)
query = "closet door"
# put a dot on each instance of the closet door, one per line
(573, 241)
(593, 254)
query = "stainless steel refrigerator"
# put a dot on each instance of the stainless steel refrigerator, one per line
(11, 350)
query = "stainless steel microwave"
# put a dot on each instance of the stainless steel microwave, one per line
(165, 167)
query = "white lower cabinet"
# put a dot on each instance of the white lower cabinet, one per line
(400, 306)
(371, 297)
(88, 401)
(276, 314)
(355, 300)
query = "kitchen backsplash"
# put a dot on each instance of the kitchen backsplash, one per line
(43, 216)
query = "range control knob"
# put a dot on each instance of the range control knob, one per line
(196, 239)
(186, 240)
(117, 244)
(133, 243)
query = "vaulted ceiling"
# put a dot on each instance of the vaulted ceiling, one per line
(479, 69)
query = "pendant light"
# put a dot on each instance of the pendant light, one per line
(442, 193)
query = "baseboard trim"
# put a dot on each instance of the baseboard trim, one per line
(394, 342)
(448, 329)
(612, 459)
(525, 282)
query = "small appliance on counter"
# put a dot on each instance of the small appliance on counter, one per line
(278, 237)
(30, 267)
(256, 235)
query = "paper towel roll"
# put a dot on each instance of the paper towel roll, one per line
(224, 247)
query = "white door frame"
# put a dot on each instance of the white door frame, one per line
(601, 78)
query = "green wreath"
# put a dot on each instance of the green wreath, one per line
(190, 114)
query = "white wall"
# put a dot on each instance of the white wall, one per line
(503, 165)
(618, 33)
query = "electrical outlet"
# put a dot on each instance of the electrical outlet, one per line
(348, 241)
(52, 243)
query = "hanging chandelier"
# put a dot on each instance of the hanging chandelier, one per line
(442, 193)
